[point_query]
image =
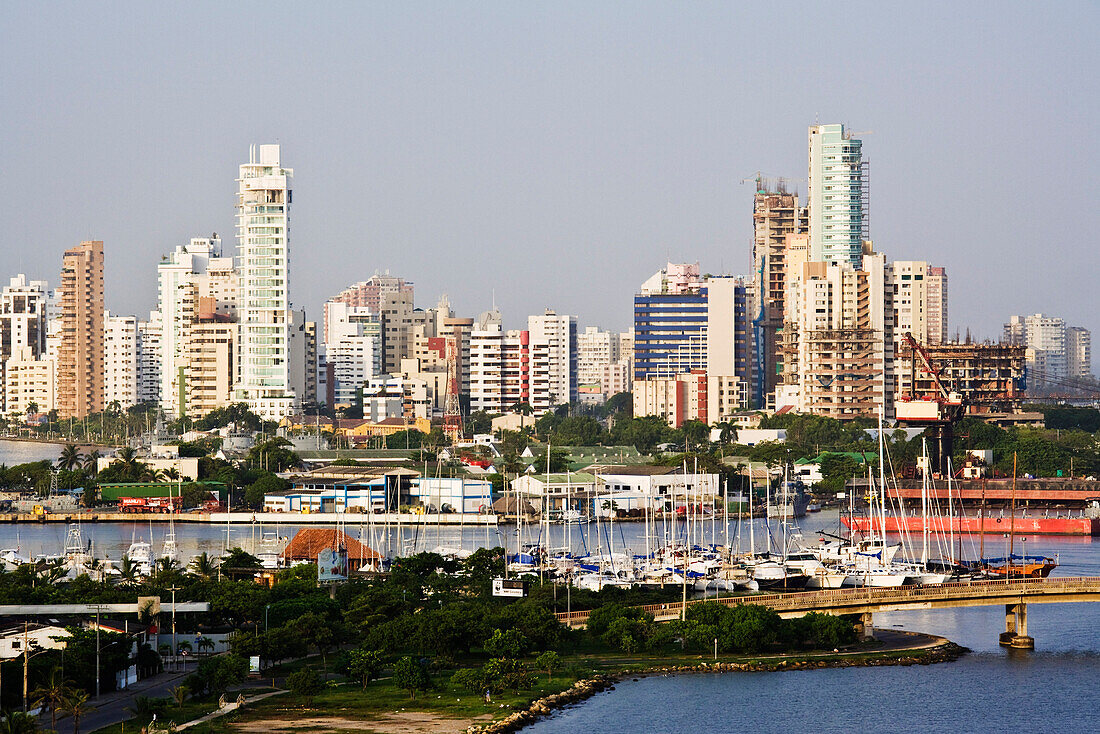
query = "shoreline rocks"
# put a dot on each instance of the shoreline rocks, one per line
(588, 687)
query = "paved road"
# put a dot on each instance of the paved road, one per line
(111, 708)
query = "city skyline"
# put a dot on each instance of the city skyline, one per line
(514, 176)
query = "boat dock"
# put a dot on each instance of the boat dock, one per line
(248, 518)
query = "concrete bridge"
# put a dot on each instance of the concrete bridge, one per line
(1015, 594)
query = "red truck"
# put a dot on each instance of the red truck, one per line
(149, 504)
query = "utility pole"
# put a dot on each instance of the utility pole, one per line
(175, 650)
(26, 663)
(97, 651)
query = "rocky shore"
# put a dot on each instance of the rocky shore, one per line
(944, 652)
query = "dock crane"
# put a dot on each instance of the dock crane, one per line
(938, 411)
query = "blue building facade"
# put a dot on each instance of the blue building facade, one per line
(670, 333)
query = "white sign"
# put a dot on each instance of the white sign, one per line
(509, 587)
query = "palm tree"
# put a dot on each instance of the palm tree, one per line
(127, 571)
(52, 571)
(203, 566)
(70, 457)
(52, 694)
(205, 644)
(17, 722)
(76, 705)
(91, 460)
(172, 474)
(179, 695)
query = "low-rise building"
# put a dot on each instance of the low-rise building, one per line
(15, 640)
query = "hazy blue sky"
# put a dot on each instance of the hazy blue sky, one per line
(557, 153)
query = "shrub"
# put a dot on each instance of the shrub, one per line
(469, 679)
(305, 684)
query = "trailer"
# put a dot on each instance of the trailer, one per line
(150, 504)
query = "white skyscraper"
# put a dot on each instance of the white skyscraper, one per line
(192, 272)
(559, 333)
(1045, 339)
(595, 349)
(838, 216)
(1078, 352)
(263, 241)
(149, 359)
(120, 360)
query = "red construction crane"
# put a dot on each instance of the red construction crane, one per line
(939, 411)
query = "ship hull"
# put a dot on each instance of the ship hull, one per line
(987, 525)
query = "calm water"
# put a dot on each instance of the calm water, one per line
(1050, 689)
(992, 689)
(24, 452)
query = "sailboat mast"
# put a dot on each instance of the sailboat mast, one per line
(1012, 520)
(752, 535)
(924, 503)
(882, 477)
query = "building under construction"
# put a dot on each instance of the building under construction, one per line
(776, 215)
(989, 377)
(837, 341)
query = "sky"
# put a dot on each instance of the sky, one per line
(554, 154)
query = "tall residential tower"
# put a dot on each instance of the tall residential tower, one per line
(263, 241)
(80, 347)
(837, 196)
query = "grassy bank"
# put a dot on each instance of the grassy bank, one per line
(383, 707)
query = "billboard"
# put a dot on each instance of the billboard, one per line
(509, 587)
(332, 565)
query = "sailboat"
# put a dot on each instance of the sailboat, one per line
(170, 551)
(1013, 566)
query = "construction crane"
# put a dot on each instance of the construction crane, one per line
(452, 413)
(939, 412)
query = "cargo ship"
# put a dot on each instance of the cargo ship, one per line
(973, 524)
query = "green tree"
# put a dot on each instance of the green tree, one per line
(364, 665)
(203, 566)
(273, 455)
(52, 694)
(837, 470)
(410, 675)
(318, 632)
(548, 661)
(696, 434)
(17, 722)
(77, 706)
(507, 674)
(70, 459)
(559, 461)
(305, 684)
(471, 680)
(266, 484)
(506, 644)
(238, 558)
(214, 675)
(179, 694)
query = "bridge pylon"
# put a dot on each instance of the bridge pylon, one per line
(1015, 634)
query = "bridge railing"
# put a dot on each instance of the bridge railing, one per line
(833, 599)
